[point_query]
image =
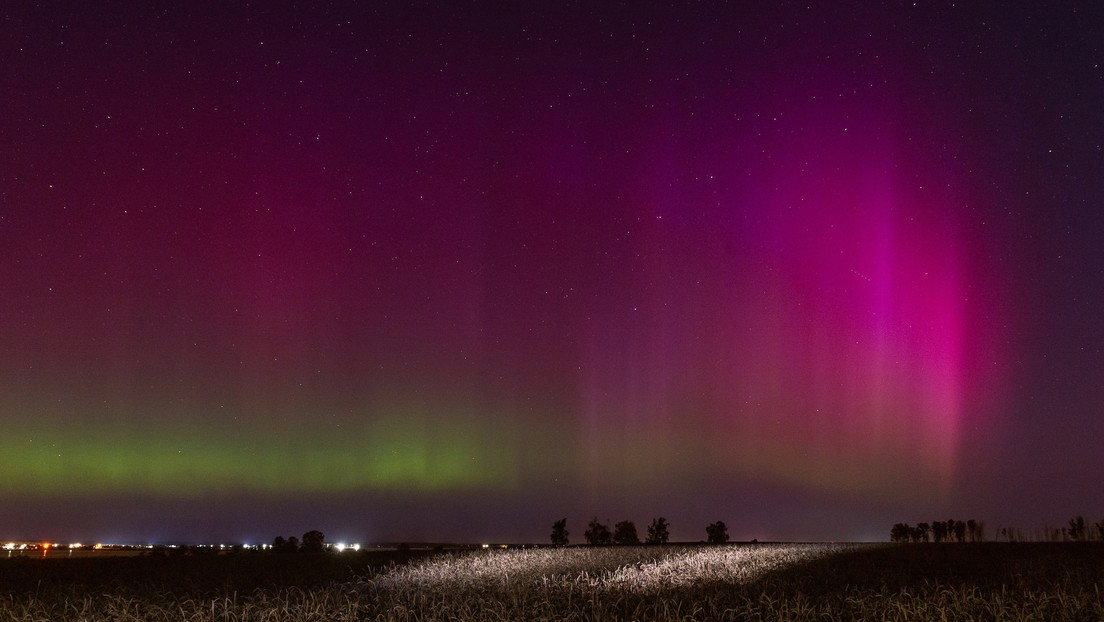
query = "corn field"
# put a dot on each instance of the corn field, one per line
(733, 582)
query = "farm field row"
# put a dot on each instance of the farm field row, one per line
(1037, 581)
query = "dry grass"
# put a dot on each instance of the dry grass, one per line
(735, 582)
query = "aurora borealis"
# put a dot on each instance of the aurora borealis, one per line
(426, 273)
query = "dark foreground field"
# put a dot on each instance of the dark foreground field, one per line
(192, 575)
(993, 581)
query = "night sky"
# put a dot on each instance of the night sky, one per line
(425, 273)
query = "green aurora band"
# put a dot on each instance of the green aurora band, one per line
(397, 452)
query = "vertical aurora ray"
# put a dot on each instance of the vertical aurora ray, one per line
(816, 327)
(861, 278)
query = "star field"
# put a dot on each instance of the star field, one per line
(452, 273)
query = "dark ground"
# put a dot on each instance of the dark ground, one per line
(986, 566)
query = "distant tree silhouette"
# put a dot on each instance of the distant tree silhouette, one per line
(605, 537)
(975, 530)
(598, 533)
(290, 545)
(1076, 529)
(960, 530)
(1100, 529)
(900, 532)
(314, 542)
(657, 531)
(939, 531)
(923, 529)
(717, 532)
(624, 532)
(560, 533)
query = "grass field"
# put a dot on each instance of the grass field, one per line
(992, 581)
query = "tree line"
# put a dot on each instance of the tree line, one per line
(624, 532)
(313, 542)
(974, 531)
(1079, 530)
(939, 531)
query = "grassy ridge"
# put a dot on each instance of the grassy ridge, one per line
(1031, 581)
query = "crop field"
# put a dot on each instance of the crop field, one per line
(992, 581)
